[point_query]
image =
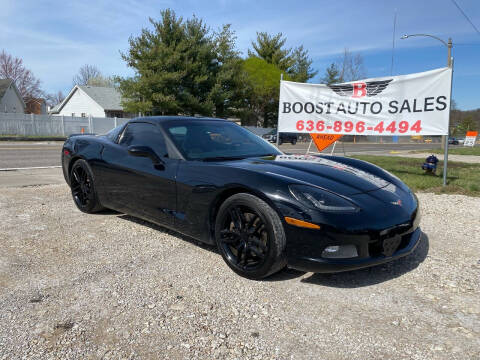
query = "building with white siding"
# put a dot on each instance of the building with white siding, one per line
(94, 101)
(10, 99)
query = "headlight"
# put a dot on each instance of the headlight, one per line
(318, 199)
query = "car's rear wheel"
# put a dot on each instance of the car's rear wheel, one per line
(250, 236)
(83, 188)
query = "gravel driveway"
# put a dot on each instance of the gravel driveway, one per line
(81, 286)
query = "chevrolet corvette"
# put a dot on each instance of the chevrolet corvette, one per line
(212, 180)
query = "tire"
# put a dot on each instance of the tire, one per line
(280, 141)
(83, 188)
(250, 236)
(294, 141)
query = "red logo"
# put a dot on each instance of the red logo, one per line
(360, 89)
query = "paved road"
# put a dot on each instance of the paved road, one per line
(359, 148)
(27, 154)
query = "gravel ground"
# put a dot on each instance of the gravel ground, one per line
(80, 286)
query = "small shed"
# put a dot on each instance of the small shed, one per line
(10, 98)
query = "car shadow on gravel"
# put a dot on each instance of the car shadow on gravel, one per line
(374, 275)
(156, 227)
(349, 279)
(285, 274)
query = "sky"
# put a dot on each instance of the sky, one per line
(55, 38)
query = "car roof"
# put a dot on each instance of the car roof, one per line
(162, 119)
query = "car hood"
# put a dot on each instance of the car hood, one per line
(347, 177)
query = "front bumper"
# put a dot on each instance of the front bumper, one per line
(409, 243)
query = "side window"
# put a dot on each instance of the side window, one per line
(144, 134)
(179, 134)
(113, 134)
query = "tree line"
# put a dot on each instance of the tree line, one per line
(183, 67)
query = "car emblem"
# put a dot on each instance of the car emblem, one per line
(360, 89)
(398, 202)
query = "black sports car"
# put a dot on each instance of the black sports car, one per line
(219, 183)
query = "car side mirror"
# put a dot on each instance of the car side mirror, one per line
(146, 151)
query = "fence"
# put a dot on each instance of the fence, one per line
(49, 125)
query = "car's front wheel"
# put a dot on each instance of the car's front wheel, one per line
(250, 236)
(83, 188)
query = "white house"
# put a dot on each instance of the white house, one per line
(95, 101)
(10, 99)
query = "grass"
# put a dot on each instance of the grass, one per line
(462, 178)
(453, 151)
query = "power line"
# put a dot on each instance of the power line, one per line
(466, 17)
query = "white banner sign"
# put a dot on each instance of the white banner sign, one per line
(414, 104)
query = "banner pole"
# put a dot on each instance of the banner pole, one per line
(309, 145)
(445, 156)
(333, 149)
(278, 134)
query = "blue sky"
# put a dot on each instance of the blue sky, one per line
(55, 38)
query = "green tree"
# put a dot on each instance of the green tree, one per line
(177, 68)
(263, 83)
(301, 70)
(332, 75)
(228, 93)
(455, 117)
(466, 124)
(271, 48)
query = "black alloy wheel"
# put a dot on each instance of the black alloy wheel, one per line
(250, 236)
(82, 186)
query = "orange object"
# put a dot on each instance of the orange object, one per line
(301, 223)
(472, 133)
(83, 131)
(322, 141)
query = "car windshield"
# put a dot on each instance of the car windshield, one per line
(216, 140)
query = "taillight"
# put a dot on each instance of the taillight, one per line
(66, 152)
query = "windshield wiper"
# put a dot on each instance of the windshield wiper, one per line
(221, 158)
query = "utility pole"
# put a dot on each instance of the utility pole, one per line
(445, 143)
(450, 65)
